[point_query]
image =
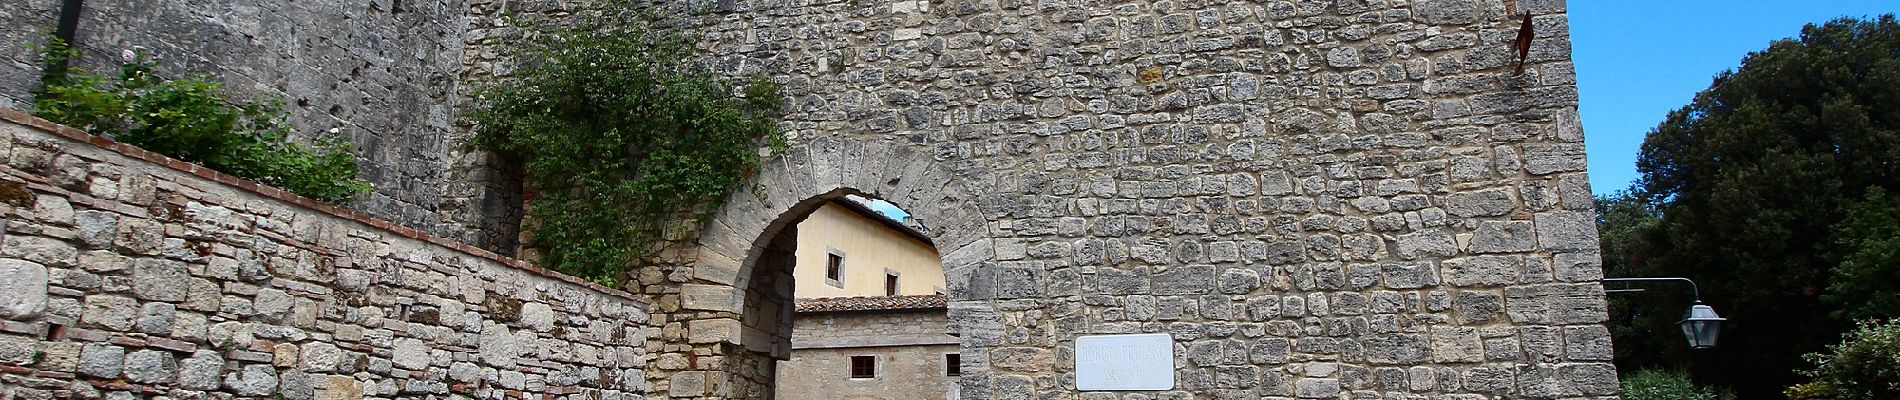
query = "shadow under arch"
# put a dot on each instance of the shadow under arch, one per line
(743, 262)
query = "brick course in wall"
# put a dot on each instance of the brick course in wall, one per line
(123, 272)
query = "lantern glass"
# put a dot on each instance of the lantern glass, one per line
(1701, 326)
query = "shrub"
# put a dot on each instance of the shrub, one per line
(1653, 384)
(187, 119)
(621, 137)
(1864, 366)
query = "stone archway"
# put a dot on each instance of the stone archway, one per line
(736, 309)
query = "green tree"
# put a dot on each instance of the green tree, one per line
(1751, 180)
(622, 135)
(1864, 366)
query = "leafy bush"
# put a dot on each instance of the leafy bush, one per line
(620, 136)
(1864, 366)
(187, 119)
(1651, 384)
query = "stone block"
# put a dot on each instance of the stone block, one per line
(1578, 267)
(1426, 243)
(100, 360)
(1481, 270)
(1503, 237)
(1456, 345)
(115, 313)
(713, 330)
(150, 367)
(1397, 349)
(22, 289)
(200, 371)
(1482, 203)
(1566, 231)
(1189, 279)
(18, 350)
(252, 380)
(1587, 343)
(159, 279)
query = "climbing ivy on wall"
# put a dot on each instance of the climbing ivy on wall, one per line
(188, 119)
(622, 137)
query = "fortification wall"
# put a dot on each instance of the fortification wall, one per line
(124, 273)
(1316, 199)
(384, 73)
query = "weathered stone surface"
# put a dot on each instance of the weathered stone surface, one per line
(411, 354)
(252, 380)
(159, 279)
(1503, 237)
(150, 366)
(1284, 214)
(101, 361)
(201, 371)
(1483, 203)
(110, 312)
(1481, 271)
(1567, 230)
(538, 316)
(22, 289)
(195, 288)
(1398, 349)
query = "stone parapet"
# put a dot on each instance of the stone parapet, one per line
(131, 274)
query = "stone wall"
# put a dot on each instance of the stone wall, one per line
(124, 273)
(909, 346)
(383, 73)
(1317, 199)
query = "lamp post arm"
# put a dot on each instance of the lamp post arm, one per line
(1692, 285)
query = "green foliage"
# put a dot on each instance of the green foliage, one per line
(621, 135)
(1755, 187)
(1864, 285)
(1864, 366)
(1651, 384)
(187, 119)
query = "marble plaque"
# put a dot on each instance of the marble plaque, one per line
(1124, 362)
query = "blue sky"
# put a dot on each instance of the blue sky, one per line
(1637, 60)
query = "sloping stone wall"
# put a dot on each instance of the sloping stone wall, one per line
(383, 73)
(124, 273)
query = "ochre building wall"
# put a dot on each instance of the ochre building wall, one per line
(909, 346)
(869, 248)
(124, 274)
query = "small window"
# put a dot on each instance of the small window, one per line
(834, 269)
(952, 364)
(890, 283)
(863, 366)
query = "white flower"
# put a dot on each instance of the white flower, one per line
(127, 55)
(335, 130)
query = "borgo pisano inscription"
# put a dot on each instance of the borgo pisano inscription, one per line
(1124, 362)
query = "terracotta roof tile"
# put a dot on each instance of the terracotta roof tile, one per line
(877, 303)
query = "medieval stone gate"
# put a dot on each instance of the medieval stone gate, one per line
(1314, 198)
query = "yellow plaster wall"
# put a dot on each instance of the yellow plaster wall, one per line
(869, 248)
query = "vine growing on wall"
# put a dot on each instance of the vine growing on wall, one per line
(188, 119)
(621, 136)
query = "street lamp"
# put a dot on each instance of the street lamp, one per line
(1699, 325)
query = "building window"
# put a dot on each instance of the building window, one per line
(834, 268)
(863, 366)
(952, 364)
(890, 283)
